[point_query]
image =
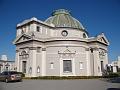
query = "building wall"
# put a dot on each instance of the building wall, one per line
(51, 54)
(54, 48)
(49, 32)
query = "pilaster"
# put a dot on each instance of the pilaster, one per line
(88, 61)
(43, 61)
(96, 61)
(33, 61)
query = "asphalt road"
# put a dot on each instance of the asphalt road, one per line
(90, 84)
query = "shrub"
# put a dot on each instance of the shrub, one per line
(111, 74)
(63, 77)
(23, 75)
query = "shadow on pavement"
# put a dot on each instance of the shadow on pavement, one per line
(112, 80)
(113, 89)
(115, 80)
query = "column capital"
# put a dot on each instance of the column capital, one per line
(94, 48)
(87, 49)
(43, 49)
(17, 51)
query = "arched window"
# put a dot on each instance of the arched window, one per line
(51, 65)
(23, 52)
(38, 69)
(22, 32)
(84, 35)
(38, 28)
(101, 54)
(24, 55)
(30, 70)
(81, 65)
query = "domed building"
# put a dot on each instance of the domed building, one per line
(59, 46)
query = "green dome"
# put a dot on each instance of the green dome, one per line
(63, 18)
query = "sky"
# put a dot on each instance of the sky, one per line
(96, 16)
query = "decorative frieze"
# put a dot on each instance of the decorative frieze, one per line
(32, 48)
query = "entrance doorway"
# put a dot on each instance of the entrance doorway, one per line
(24, 66)
(67, 66)
(102, 66)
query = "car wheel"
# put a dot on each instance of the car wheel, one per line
(6, 80)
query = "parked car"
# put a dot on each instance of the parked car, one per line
(10, 76)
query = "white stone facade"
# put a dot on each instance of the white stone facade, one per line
(57, 47)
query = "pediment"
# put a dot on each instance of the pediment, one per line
(66, 51)
(22, 38)
(101, 38)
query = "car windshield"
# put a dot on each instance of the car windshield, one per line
(13, 72)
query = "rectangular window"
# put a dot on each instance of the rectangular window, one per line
(67, 66)
(81, 65)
